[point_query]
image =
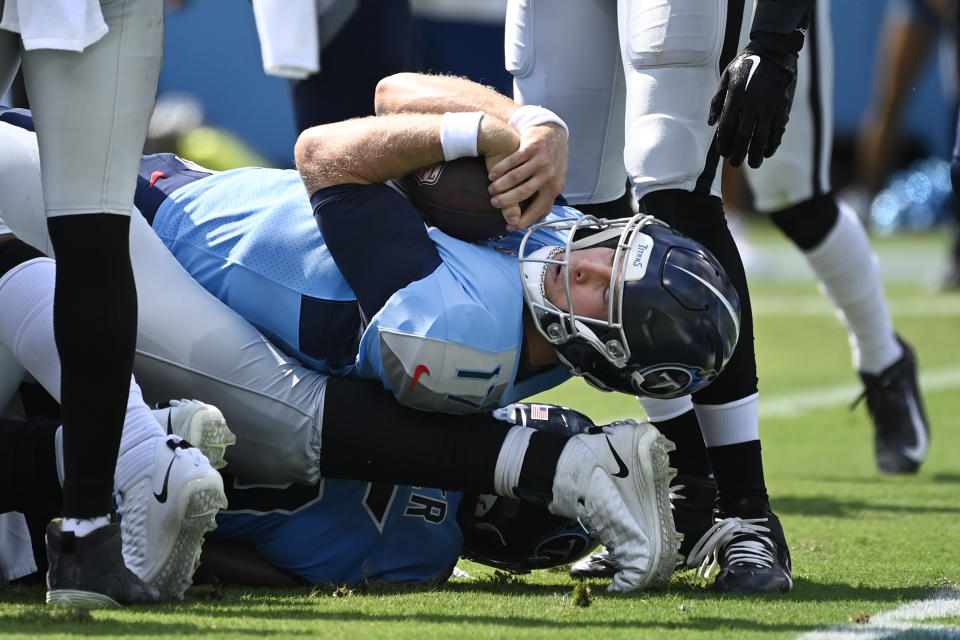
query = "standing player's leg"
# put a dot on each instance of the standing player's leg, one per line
(568, 61)
(361, 41)
(91, 109)
(793, 186)
(161, 535)
(673, 162)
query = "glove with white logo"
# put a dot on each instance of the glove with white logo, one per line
(753, 101)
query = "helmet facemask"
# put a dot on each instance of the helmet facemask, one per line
(560, 327)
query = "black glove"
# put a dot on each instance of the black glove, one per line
(753, 103)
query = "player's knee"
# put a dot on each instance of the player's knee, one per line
(809, 222)
(686, 211)
(94, 242)
(666, 150)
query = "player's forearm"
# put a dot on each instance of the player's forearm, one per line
(780, 24)
(379, 148)
(423, 93)
(367, 150)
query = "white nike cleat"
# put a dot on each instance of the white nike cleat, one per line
(615, 479)
(200, 424)
(165, 512)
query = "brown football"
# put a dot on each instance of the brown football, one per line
(453, 197)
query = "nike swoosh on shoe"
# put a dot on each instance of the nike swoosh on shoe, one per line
(622, 472)
(917, 452)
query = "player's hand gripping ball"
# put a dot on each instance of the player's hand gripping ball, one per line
(453, 197)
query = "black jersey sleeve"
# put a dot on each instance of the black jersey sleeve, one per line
(377, 239)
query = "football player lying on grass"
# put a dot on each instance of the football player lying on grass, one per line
(613, 479)
(441, 323)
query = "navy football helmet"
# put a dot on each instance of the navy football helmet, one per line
(673, 317)
(520, 536)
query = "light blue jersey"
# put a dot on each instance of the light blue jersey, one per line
(346, 531)
(445, 331)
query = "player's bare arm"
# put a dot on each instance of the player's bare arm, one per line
(379, 148)
(539, 165)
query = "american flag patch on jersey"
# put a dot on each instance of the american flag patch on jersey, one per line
(539, 412)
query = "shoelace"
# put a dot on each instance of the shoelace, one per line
(720, 539)
(183, 449)
(676, 493)
(886, 382)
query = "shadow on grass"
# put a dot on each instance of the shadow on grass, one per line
(825, 505)
(226, 614)
(909, 480)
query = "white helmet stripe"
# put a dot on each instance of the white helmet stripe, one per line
(596, 238)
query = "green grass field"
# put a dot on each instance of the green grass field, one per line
(863, 544)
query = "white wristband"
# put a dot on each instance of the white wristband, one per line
(531, 115)
(458, 134)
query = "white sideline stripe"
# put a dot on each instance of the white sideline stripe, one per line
(813, 305)
(940, 604)
(784, 405)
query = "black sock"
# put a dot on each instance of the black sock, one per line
(690, 456)
(738, 469)
(368, 435)
(540, 466)
(95, 325)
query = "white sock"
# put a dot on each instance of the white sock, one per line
(731, 423)
(662, 410)
(849, 274)
(83, 526)
(506, 475)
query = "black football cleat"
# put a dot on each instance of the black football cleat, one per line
(693, 499)
(88, 571)
(901, 431)
(748, 545)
